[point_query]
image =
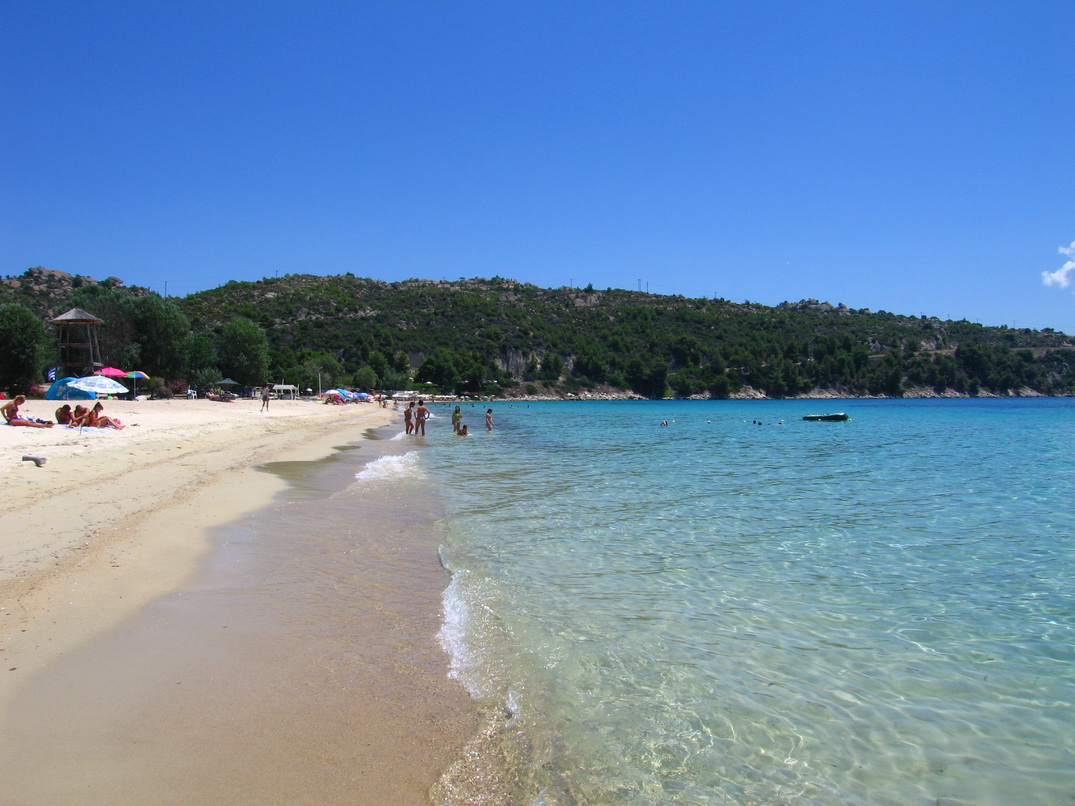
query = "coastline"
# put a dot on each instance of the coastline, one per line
(130, 510)
(117, 520)
(751, 393)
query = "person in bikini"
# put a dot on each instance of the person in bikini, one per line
(408, 417)
(11, 414)
(421, 414)
(96, 418)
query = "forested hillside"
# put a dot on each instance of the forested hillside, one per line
(508, 332)
(503, 337)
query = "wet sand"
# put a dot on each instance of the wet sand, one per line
(263, 661)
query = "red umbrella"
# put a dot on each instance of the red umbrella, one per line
(112, 372)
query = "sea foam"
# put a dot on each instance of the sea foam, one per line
(387, 468)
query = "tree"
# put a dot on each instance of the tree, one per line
(378, 363)
(592, 364)
(321, 368)
(117, 333)
(365, 378)
(161, 330)
(244, 352)
(647, 378)
(551, 367)
(203, 379)
(23, 337)
(198, 352)
(401, 364)
(439, 368)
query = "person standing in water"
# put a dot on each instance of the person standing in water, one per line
(408, 417)
(489, 420)
(457, 419)
(421, 414)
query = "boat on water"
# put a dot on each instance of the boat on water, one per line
(828, 417)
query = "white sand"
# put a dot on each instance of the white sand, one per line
(115, 519)
(119, 516)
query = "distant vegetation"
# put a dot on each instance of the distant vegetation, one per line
(507, 338)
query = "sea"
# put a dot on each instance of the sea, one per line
(717, 602)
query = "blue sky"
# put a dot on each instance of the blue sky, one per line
(914, 157)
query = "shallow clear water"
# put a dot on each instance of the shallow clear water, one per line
(744, 607)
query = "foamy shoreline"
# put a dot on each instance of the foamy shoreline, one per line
(116, 519)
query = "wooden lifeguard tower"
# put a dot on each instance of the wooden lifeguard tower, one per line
(77, 350)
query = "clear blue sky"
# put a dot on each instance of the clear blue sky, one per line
(915, 157)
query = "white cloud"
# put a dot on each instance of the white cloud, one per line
(1062, 276)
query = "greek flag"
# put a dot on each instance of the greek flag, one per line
(52, 374)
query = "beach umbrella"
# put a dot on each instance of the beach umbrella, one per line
(98, 384)
(135, 375)
(112, 372)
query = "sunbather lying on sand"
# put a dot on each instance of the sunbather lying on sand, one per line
(11, 414)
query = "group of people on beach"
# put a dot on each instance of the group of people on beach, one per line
(79, 417)
(82, 417)
(415, 417)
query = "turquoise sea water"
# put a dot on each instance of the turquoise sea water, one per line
(744, 607)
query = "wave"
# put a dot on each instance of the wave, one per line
(387, 468)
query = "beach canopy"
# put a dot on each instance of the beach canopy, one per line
(62, 390)
(226, 382)
(98, 384)
(288, 389)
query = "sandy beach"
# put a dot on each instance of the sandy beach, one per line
(115, 520)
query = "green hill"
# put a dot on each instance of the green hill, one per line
(499, 336)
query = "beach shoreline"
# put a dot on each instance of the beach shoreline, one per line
(117, 520)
